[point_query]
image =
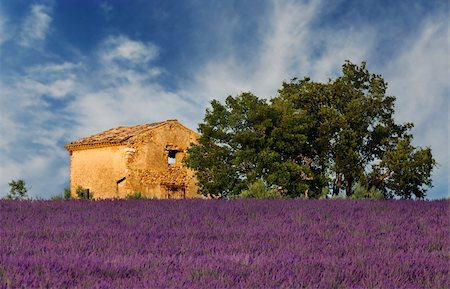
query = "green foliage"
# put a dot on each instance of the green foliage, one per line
(84, 194)
(135, 195)
(56, 198)
(64, 196)
(17, 190)
(407, 170)
(340, 196)
(231, 150)
(259, 190)
(351, 122)
(67, 194)
(310, 137)
(240, 144)
(362, 192)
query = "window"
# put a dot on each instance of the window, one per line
(175, 191)
(171, 157)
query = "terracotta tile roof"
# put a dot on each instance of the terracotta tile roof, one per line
(115, 135)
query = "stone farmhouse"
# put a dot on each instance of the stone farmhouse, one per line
(143, 158)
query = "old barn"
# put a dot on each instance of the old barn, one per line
(144, 159)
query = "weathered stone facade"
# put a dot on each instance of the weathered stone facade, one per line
(124, 160)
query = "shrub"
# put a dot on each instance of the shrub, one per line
(56, 198)
(67, 194)
(259, 190)
(360, 191)
(135, 195)
(84, 194)
(340, 196)
(17, 190)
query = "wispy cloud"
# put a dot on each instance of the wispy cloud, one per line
(419, 78)
(106, 8)
(125, 90)
(290, 46)
(121, 48)
(35, 26)
(33, 130)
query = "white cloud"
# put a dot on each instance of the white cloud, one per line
(64, 67)
(35, 26)
(34, 128)
(125, 90)
(419, 78)
(290, 46)
(42, 173)
(56, 89)
(121, 48)
(420, 75)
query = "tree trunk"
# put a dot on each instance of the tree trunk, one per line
(348, 186)
(337, 184)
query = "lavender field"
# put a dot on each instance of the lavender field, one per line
(224, 244)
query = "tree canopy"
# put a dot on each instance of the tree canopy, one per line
(310, 140)
(17, 190)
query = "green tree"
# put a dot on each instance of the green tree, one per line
(404, 171)
(259, 190)
(247, 139)
(17, 190)
(350, 125)
(362, 191)
(311, 138)
(234, 138)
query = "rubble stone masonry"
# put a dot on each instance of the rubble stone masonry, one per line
(125, 160)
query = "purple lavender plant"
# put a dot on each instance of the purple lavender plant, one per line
(224, 244)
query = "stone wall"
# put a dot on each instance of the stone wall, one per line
(140, 165)
(98, 169)
(148, 168)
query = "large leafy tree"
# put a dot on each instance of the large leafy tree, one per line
(351, 122)
(233, 135)
(245, 140)
(404, 171)
(310, 138)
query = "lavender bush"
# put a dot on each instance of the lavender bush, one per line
(224, 244)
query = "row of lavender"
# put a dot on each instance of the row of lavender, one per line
(224, 244)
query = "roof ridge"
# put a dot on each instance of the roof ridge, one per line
(115, 136)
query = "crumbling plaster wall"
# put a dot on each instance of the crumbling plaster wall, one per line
(98, 169)
(147, 164)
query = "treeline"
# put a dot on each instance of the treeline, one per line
(313, 140)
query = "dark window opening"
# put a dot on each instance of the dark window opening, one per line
(176, 191)
(171, 157)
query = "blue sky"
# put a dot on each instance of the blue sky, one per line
(72, 68)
